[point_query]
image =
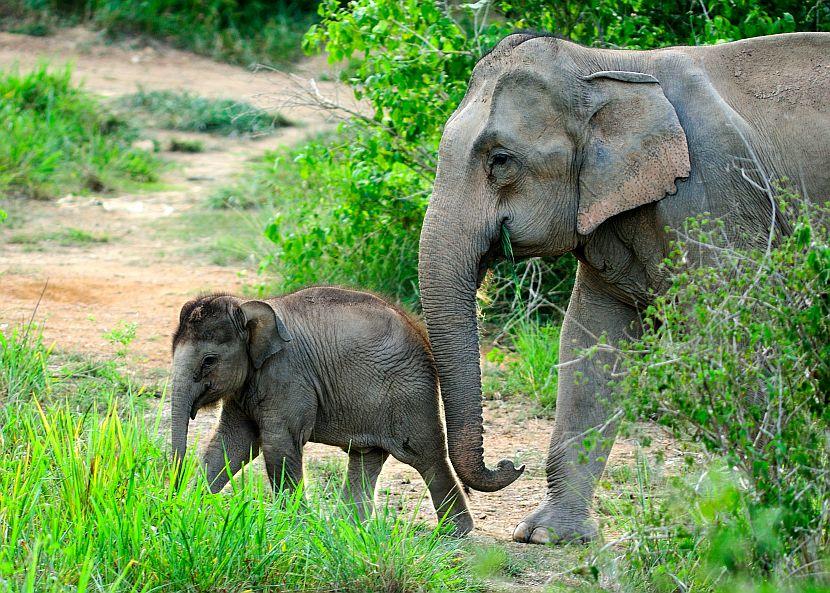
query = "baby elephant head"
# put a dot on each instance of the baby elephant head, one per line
(219, 340)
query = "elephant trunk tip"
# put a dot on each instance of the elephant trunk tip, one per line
(491, 480)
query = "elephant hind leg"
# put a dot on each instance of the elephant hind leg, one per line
(447, 494)
(362, 475)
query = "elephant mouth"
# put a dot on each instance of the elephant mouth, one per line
(201, 401)
(493, 253)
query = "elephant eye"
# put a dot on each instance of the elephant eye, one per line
(500, 159)
(209, 360)
(502, 167)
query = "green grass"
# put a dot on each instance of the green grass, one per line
(219, 237)
(65, 237)
(58, 139)
(528, 367)
(243, 32)
(190, 113)
(23, 364)
(86, 504)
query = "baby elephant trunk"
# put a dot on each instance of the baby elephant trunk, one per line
(183, 395)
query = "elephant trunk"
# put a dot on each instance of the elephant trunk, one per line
(451, 261)
(183, 396)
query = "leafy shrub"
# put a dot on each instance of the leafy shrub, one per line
(697, 531)
(190, 113)
(239, 31)
(336, 222)
(737, 355)
(58, 139)
(646, 24)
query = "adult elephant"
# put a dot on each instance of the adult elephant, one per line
(604, 154)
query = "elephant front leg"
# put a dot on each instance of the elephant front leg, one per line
(283, 459)
(234, 444)
(583, 406)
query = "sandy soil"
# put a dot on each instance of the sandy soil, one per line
(142, 277)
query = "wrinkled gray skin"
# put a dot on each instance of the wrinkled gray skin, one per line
(603, 154)
(324, 365)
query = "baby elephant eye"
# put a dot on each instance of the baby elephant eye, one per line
(209, 361)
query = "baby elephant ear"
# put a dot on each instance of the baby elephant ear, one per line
(267, 333)
(635, 149)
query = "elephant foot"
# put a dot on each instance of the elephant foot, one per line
(550, 525)
(463, 524)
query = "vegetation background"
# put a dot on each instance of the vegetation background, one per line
(86, 501)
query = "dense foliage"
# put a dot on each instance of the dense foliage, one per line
(58, 139)
(241, 31)
(646, 24)
(737, 355)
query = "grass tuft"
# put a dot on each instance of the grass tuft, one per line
(59, 139)
(185, 145)
(23, 364)
(190, 113)
(64, 237)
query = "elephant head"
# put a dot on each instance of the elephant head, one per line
(548, 143)
(219, 342)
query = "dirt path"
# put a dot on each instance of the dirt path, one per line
(142, 276)
(136, 276)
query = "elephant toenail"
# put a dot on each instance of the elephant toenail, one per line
(521, 533)
(541, 535)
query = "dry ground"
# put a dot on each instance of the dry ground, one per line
(149, 266)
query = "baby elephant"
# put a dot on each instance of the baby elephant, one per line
(325, 365)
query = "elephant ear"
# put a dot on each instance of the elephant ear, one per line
(267, 333)
(635, 149)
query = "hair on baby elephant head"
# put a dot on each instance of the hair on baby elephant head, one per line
(219, 342)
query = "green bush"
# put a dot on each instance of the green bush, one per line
(646, 24)
(737, 356)
(694, 530)
(58, 139)
(239, 31)
(336, 222)
(190, 113)
(86, 504)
